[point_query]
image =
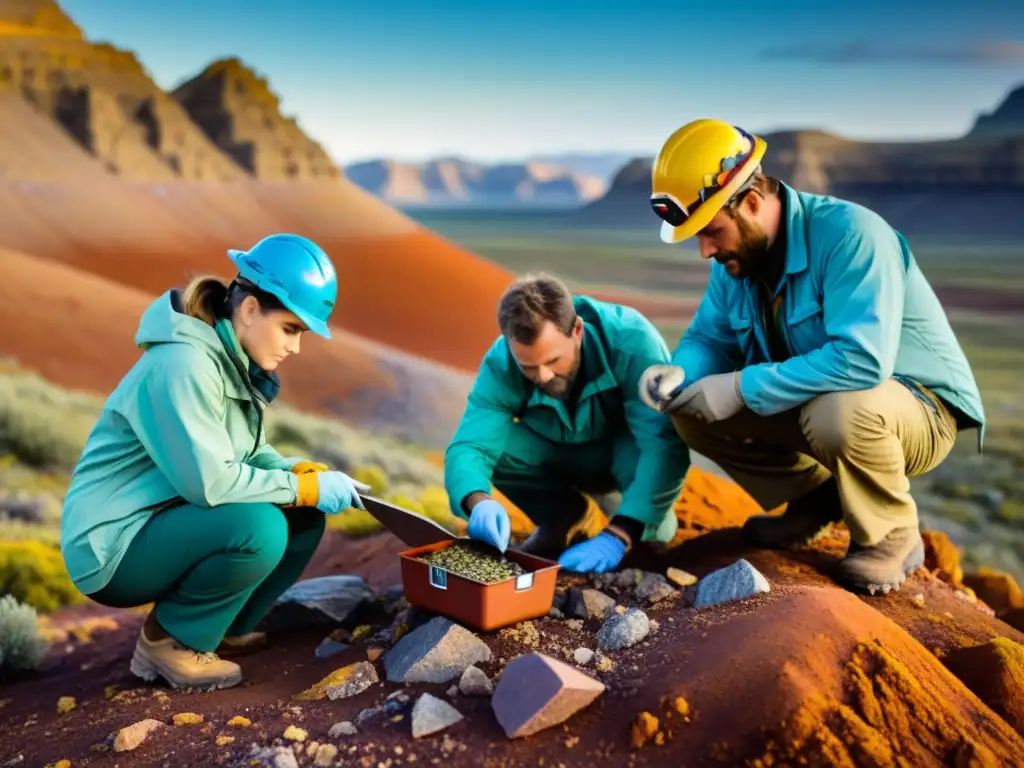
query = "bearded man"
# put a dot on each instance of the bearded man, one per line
(555, 413)
(820, 369)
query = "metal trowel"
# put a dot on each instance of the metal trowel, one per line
(416, 530)
(412, 529)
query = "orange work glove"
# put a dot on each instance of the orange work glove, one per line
(305, 467)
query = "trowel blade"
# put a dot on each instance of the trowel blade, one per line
(411, 529)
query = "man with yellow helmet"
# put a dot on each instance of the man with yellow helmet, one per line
(820, 369)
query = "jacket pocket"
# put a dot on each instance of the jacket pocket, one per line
(743, 329)
(804, 328)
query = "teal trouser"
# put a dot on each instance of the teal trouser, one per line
(215, 571)
(547, 480)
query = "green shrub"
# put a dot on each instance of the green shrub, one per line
(354, 523)
(373, 476)
(433, 501)
(1011, 511)
(16, 530)
(35, 574)
(21, 646)
(42, 424)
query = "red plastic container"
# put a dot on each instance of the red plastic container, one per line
(474, 603)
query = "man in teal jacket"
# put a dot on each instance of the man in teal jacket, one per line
(555, 412)
(819, 369)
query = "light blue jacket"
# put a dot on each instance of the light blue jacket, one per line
(183, 426)
(857, 310)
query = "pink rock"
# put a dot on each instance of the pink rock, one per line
(536, 692)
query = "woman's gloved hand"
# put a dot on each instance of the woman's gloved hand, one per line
(602, 553)
(488, 521)
(331, 492)
(305, 467)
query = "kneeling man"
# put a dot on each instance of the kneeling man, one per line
(555, 412)
(819, 369)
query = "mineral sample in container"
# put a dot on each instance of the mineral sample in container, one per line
(471, 561)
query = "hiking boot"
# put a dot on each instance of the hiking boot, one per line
(804, 520)
(236, 645)
(884, 566)
(182, 667)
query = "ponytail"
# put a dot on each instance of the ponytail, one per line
(206, 299)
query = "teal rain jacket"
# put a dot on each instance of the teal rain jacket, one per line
(183, 426)
(619, 344)
(857, 310)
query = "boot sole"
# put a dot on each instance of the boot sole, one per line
(149, 671)
(911, 563)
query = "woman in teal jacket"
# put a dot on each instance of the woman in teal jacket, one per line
(177, 499)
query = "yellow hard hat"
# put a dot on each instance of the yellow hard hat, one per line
(698, 170)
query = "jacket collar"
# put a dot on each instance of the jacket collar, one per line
(263, 384)
(796, 235)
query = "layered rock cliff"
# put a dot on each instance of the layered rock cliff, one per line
(239, 113)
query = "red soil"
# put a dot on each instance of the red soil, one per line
(806, 674)
(398, 283)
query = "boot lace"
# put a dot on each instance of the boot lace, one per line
(202, 657)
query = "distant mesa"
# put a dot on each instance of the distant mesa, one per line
(453, 181)
(1006, 121)
(909, 183)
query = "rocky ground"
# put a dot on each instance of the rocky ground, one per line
(641, 667)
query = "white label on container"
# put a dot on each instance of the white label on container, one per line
(438, 577)
(524, 582)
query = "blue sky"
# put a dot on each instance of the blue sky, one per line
(412, 79)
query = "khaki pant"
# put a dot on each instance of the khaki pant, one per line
(869, 440)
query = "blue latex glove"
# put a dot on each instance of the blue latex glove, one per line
(338, 492)
(597, 555)
(488, 521)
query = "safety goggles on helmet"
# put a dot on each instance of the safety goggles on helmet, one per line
(675, 212)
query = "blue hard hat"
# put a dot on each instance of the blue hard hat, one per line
(295, 270)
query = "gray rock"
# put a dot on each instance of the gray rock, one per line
(628, 578)
(540, 692)
(344, 728)
(269, 757)
(735, 582)
(474, 682)
(325, 600)
(654, 588)
(560, 599)
(589, 604)
(437, 652)
(328, 648)
(363, 674)
(26, 510)
(583, 656)
(622, 630)
(431, 714)
(366, 715)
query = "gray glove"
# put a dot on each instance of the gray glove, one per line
(713, 398)
(659, 384)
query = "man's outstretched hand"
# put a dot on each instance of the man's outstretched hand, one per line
(659, 384)
(602, 553)
(713, 398)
